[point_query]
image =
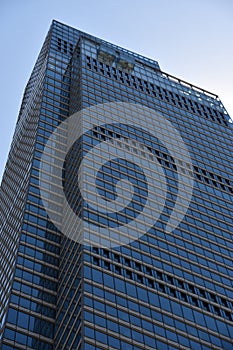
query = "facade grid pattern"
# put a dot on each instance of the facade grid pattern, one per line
(165, 290)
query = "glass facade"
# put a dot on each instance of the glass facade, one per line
(162, 290)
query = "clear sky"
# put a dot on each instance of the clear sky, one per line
(191, 39)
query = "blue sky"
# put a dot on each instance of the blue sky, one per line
(191, 39)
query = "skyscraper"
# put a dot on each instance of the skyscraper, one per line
(116, 206)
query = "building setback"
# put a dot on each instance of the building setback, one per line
(155, 271)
